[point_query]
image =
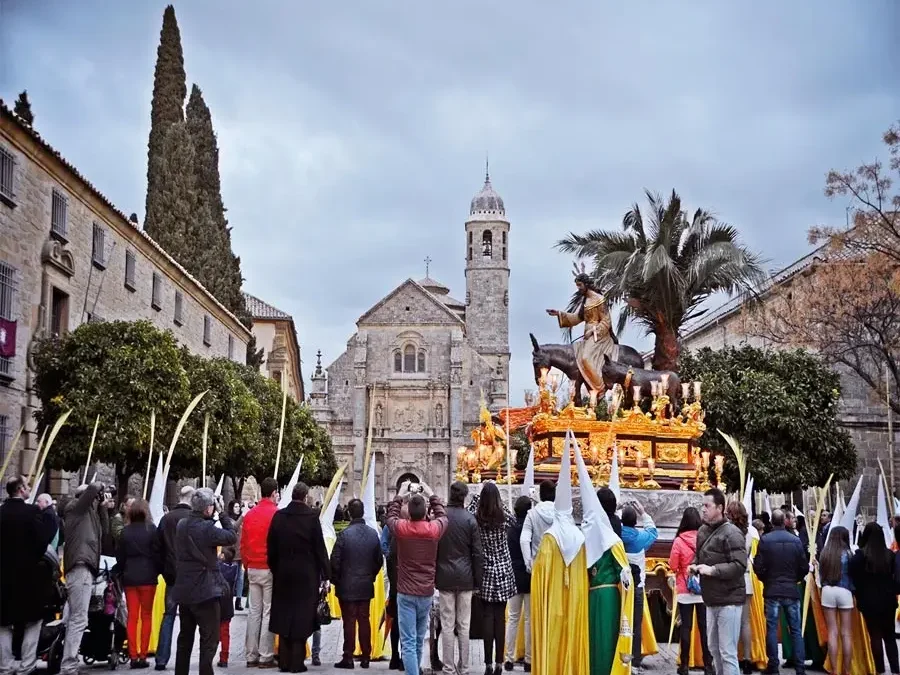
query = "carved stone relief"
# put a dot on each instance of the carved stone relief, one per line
(438, 415)
(409, 418)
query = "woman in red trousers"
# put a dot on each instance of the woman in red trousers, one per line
(138, 555)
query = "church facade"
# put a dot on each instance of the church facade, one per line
(420, 362)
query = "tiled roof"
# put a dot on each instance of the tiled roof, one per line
(734, 304)
(263, 310)
(9, 114)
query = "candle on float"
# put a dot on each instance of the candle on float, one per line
(621, 452)
(639, 458)
(593, 398)
(664, 383)
(705, 456)
(651, 464)
(637, 393)
(697, 390)
(595, 454)
(697, 461)
(685, 391)
(720, 463)
(654, 390)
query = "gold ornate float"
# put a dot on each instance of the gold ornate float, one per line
(655, 449)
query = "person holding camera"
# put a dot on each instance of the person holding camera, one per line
(637, 541)
(417, 545)
(87, 521)
(199, 586)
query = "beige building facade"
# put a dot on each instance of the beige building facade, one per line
(68, 256)
(276, 334)
(861, 412)
(420, 361)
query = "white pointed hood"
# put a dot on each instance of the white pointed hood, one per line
(157, 491)
(599, 535)
(288, 491)
(848, 520)
(326, 517)
(368, 498)
(881, 513)
(748, 504)
(567, 534)
(614, 476)
(528, 482)
(836, 518)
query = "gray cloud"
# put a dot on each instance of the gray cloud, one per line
(352, 136)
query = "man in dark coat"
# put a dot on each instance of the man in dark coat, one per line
(25, 531)
(781, 564)
(165, 530)
(355, 563)
(199, 585)
(299, 563)
(460, 564)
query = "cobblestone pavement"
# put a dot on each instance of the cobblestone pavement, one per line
(331, 652)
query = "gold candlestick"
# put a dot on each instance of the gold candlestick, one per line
(720, 465)
(685, 391)
(651, 484)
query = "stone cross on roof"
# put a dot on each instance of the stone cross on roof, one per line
(428, 262)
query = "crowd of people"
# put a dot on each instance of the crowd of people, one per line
(463, 570)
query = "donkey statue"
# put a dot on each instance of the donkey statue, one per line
(562, 357)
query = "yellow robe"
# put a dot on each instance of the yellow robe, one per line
(559, 612)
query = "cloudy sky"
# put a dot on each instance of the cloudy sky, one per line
(353, 135)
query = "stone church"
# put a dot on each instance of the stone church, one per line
(421, 360)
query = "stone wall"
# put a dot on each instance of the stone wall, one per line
(62, 280)
(860, 411)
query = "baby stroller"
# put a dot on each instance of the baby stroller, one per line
(106, 634)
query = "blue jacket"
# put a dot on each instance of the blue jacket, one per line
(638, 540)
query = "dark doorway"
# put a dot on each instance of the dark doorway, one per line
(411, 477)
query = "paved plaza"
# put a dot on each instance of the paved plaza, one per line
(331, 653)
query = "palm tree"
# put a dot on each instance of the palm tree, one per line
(664, 270)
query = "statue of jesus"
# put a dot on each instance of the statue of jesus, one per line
(598, 336)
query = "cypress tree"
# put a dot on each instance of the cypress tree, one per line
(169, 90)
(22, 108)
(222, 268)
(181, 223)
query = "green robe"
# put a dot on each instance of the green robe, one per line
(603, 612)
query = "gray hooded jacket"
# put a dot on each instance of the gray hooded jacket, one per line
(537, 522)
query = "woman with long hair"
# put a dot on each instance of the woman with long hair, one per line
(138, 556)
(837, 595)
(872, 573)
(498, 583)
(235, 512)
(684, 550)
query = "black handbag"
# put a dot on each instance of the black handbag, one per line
(323, 610)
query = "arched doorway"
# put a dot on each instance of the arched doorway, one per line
(411, 477)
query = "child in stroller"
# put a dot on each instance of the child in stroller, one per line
(104, 639)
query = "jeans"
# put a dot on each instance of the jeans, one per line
(166, 629)
(723, 627)
(637, 626)
(204, 616)
(260, 642)
(519, 610)
(456, 612)
(792, 614)
(355, 614)
(29, 649)
(316, 644)
(79, 583)
(139, 600)
(239, 582)
(412, 613)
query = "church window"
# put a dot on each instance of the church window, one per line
(409, 359)
(504, 238)
(470, 253)
(487, 244)
(421, 362)
(398, 362)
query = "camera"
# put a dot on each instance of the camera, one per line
(415, 488)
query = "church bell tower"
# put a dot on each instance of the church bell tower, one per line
(487, 283)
